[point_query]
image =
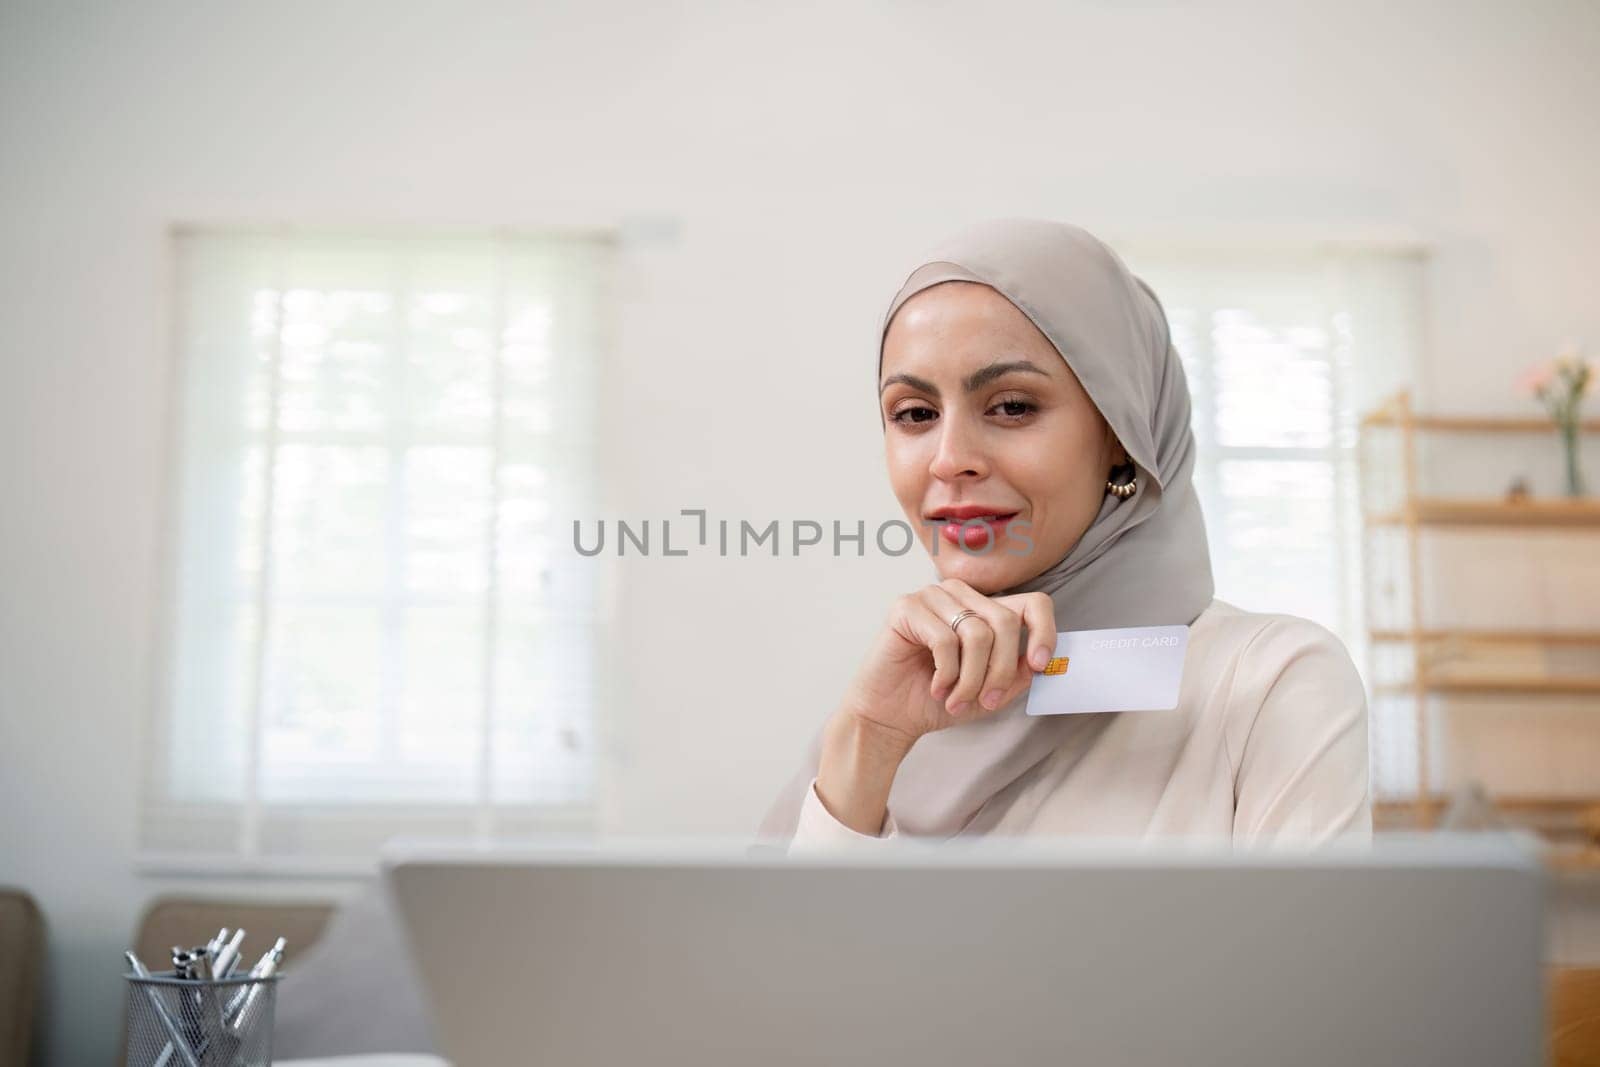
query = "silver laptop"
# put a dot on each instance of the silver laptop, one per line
(627, 953)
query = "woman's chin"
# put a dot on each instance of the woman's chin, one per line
(988, 574)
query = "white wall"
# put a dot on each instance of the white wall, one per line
(807, 153)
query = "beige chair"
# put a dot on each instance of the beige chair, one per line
(21, 956)
(189, 921)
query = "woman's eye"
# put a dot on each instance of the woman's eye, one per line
(912, 414)
(1015, 409)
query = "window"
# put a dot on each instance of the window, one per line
(1284, 350)
(372, 626)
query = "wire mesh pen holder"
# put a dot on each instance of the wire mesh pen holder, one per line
(213, 1022)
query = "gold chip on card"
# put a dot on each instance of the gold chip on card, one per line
(1057, 665)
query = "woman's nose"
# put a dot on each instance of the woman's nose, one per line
(959, 452)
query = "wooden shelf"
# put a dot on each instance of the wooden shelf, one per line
(1565, 822)
(1572, 859)
(1516, 803)
(1467, 511)
(1572, 684)
(1390, 416)
(1491, 637)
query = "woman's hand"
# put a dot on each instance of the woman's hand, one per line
(921, 676)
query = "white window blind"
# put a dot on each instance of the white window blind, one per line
(1285, 349)
(381, 441)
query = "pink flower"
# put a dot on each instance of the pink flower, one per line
(1534, 380)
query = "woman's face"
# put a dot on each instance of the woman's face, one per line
(984, 418)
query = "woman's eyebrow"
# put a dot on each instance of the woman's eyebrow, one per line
(975, 381)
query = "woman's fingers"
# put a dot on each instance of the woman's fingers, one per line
(977, 639)
(921, 625)
(1001, 670)
(1038, 611)
(988, 645)
(982, 662)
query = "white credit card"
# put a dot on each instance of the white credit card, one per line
(1134, 668)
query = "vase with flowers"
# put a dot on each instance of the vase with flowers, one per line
(1560, 384)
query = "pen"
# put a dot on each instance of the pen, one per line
(225, 953)
(264, 968)
(174, 1034)
(186, 968)
(266, 965)
(204, 965)
(228, 956)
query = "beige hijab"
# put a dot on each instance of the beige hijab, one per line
(1143, 561)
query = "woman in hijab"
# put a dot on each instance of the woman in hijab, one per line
(1032, 402)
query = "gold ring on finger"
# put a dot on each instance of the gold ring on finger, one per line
(961, 617)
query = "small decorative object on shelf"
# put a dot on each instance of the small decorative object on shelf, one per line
(1560, 385)
(1517, 490)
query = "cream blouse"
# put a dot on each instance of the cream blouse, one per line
(1268, 741)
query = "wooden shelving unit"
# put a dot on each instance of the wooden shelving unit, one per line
(1569, 821)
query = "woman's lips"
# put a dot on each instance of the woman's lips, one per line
(977, 532)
